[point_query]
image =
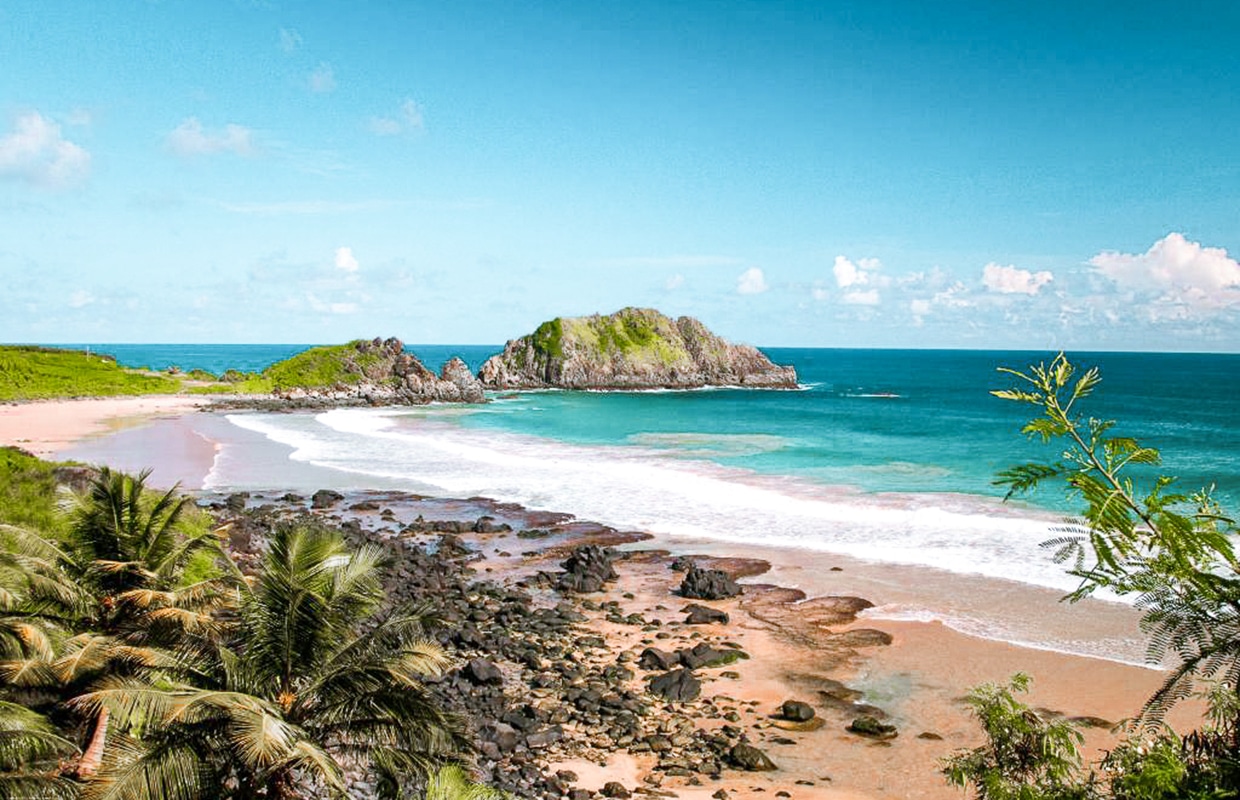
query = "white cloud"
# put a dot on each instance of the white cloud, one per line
(37, 154)
(290, 40)
(850, 273)
(408, 119)
(80, 299)
(323, 79)
(751, 281)
(1174, 266)
(920, 307)
(345, 260)
(190, 139)
(1012, 280)
(675, 282)
(819, 293)
(869, 297)
(953, 297)
(343, 308)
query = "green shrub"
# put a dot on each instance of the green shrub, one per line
(28, 494)
(1025, 757)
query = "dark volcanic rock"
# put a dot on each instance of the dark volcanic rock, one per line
(751, 759)
(586, 570)
(489, 525)
(615, 789)
(870, 727)
(796, 711)
(653, 658)
(483, 672)
(543, 738)
(635, 348)
(325, 498)
(703, 655)
(678, 686)
(708, 584)
(704, 615)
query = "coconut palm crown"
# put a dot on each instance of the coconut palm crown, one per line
(308, 685)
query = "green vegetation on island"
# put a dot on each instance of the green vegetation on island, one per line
(634, 348)
(363, 371)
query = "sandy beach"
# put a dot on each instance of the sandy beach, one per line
(797, 651)
(47, 428)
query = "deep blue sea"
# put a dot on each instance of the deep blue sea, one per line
(883, 455)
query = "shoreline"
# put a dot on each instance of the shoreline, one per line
(918, 678)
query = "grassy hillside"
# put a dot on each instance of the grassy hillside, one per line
(44, 373)
(325, 366)
(639, 335)
(38, 373)
(28, 497)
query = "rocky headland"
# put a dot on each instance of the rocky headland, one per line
(374, 372)
(635, 348)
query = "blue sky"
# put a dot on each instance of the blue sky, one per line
(894, 174)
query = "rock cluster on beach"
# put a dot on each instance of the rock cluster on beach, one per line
(635, 348)
(552, 664)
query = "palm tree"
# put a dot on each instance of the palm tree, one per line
(311, 684)
(108, 601)
(452, 782)
(30, 752)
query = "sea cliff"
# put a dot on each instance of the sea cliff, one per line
(635, 348)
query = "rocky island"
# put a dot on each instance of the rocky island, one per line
(374, 372)
(635, 348)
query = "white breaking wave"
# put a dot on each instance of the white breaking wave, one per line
(648, 489)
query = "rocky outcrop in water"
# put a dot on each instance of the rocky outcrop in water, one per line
(375, 372)
(635, 348)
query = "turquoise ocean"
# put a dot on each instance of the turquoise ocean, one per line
(887, 456)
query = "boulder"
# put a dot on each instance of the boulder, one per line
(871, 728)
(483, 673)
(544, 737)
(615, 789)
(703, 655)
(677, 686)
(653, 658)
(751, 759)
(704, 615)
(586, 570)
(325, 498)
(796, 711)
(708, 584)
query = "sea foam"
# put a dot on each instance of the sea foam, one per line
(646, 488)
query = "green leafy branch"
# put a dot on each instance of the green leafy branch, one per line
(1172, 550)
